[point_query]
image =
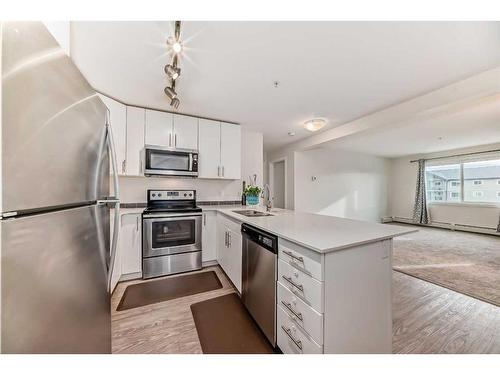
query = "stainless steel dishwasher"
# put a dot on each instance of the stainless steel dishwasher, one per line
(260, 258)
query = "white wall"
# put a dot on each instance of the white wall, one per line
(403, 176)
(347, 184)
(133, 189)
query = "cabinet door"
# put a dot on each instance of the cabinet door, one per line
(185, 132)
(235, 258)
(230, 154)
(209, 150)
(158, 128)
(208, 236)
(135, 140)
(221, 244)
(131, 246)
(118, 122)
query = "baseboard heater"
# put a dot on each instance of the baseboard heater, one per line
(450, 226)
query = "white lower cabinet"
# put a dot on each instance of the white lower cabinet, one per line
(301, 313)
(229, 252)
(292, 338)
(209, 236)
(130, 245)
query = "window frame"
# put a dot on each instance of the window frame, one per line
(461, 182)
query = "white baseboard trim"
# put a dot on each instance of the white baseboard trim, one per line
(209, 263)
(130, 276)
(460, 227)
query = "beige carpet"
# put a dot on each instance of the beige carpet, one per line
(466, 262)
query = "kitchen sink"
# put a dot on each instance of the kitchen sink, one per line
(252, 213)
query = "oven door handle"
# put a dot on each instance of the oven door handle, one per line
(172, 216)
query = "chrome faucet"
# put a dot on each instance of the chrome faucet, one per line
(268, 200)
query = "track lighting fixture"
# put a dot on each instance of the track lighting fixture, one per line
(175, 103)
(172, 72)
(170, 92)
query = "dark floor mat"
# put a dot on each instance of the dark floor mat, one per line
(225, 327)
(166, 289)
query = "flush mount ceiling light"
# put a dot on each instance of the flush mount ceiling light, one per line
(172, 70)
(291, 134)
(314, 124)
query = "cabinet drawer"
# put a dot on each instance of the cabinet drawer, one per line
(304, 286)
(301, 261)
(300, 313)
(292, 339)
(235, 226)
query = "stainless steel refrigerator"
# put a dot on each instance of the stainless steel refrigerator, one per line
(56, 251)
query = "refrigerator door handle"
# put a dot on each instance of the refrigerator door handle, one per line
(116, 223)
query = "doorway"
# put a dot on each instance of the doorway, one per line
(277, 179)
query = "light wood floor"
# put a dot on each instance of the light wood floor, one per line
(427, 319)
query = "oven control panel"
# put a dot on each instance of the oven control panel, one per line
(169, 195)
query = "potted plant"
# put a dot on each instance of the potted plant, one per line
(252, 193)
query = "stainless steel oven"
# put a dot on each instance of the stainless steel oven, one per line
(171, 233)
(166, 161)
(166, 234)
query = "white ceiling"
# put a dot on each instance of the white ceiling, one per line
(337, 70)
(473, 125)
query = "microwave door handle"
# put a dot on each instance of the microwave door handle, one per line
(190, 162)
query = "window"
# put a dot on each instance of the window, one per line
(437, 178)
(480, 181)
(465, 181)
(477, 194)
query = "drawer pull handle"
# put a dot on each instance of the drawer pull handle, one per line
(290, 254)
(289, 279)
(289, 307)
(288, 331)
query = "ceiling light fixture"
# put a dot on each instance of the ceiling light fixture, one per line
(315, 124)
(170, 92)
(291, 134)
(172, 72)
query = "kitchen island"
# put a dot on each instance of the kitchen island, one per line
(334, 278)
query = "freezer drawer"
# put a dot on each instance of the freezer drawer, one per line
(170, 264)
(54, 275)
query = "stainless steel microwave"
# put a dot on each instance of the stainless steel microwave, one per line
(166, 161)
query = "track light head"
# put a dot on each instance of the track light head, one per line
(172, 72)
(175, 103)
(170, 92)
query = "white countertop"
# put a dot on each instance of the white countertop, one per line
(320, 233)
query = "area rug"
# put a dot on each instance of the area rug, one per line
(465, 262)
(224, 326)
(155, 291)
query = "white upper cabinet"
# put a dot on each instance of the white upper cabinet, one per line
(159, 128)
(118, 122)
(135, 140)
(209, 150)
(185, 132)
(220, 150)
(230, 151)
